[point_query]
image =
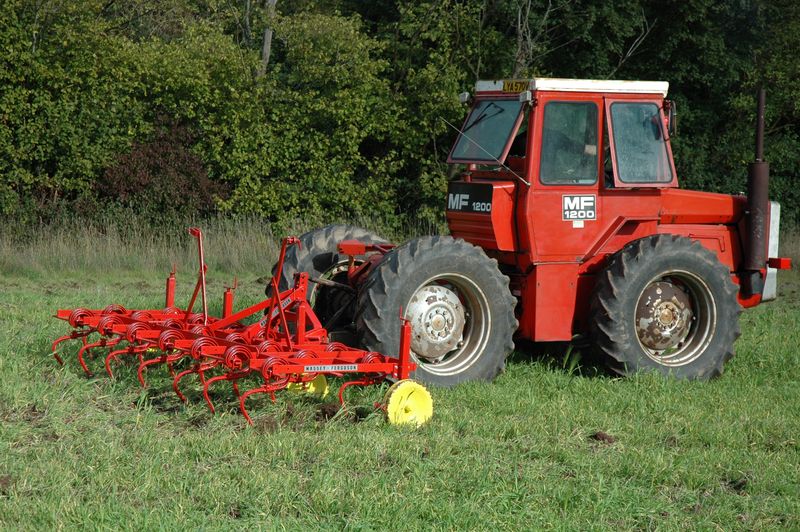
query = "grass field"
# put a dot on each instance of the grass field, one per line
(550, 444)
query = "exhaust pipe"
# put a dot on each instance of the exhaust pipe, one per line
(755, 257)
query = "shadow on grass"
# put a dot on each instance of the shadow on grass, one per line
(572, 358)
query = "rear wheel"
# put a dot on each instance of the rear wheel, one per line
(665, 303)
(459, 305)
(318, 256)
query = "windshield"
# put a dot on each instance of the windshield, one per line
(487, 131)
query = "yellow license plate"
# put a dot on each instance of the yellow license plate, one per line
(514, 85)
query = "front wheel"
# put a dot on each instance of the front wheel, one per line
(665, 303)
(458, 303)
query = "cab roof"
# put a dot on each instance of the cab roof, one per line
(572, 85)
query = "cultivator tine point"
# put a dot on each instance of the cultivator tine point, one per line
(266, 389)
(74, 335)
(243, 398)
(143, 365)
(175, 381)
(84, 349)
(111, 356)
(208, 383)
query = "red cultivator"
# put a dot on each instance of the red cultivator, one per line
(287, 347)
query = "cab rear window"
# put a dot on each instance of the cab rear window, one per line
(639, 144)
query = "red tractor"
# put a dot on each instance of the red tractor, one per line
(568, 222)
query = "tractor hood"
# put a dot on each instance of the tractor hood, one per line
(693, 207)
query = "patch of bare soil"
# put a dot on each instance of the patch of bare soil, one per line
(6, 483)
(325, 411)
(266, 424)
(602, 437)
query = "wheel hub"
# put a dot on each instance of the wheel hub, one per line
(437, 321)
(663, 316)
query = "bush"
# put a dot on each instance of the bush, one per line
(161, 177)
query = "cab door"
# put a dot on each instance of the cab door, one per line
(565, 208)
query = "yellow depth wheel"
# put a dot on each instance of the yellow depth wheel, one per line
(317, 387)
(408, 403)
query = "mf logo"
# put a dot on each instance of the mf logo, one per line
(457, 202)
(579, 207)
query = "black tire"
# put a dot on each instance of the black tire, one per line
(318, 256)
(457, 292)
(665, 303)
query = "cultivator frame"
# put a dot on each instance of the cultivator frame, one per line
(287, 347)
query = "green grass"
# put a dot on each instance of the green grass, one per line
(520, 453)
(128, 242)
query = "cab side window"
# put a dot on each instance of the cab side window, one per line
(639, 145)
(569, 144)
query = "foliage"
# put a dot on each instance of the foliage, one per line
(160, 177)
(63, 112)
(350, 117)
(316, 136)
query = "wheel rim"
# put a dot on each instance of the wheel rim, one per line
(450, 323)
(675, 318)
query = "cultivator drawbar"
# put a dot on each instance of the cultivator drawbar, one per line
(287, 347)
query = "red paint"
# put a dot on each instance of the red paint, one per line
(781, 263)
(556, 262)
(286, 345)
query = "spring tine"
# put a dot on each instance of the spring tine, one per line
(208, 383)
(366, 381)
(143, 365)
(112, 355)
(235, 388)
(86, 348)
(243, 398)
(130, 350)
(73, 335)
(199, 369)
(163, 359)
(264, 388)
(177, 378)
(59, 340)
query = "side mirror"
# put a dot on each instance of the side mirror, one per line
(672, 117)
(465, 98)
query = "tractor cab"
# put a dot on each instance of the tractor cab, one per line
(556, 131)
(552, 163)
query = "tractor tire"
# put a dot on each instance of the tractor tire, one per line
(318, 256)
(459, 305)
(665, 303)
